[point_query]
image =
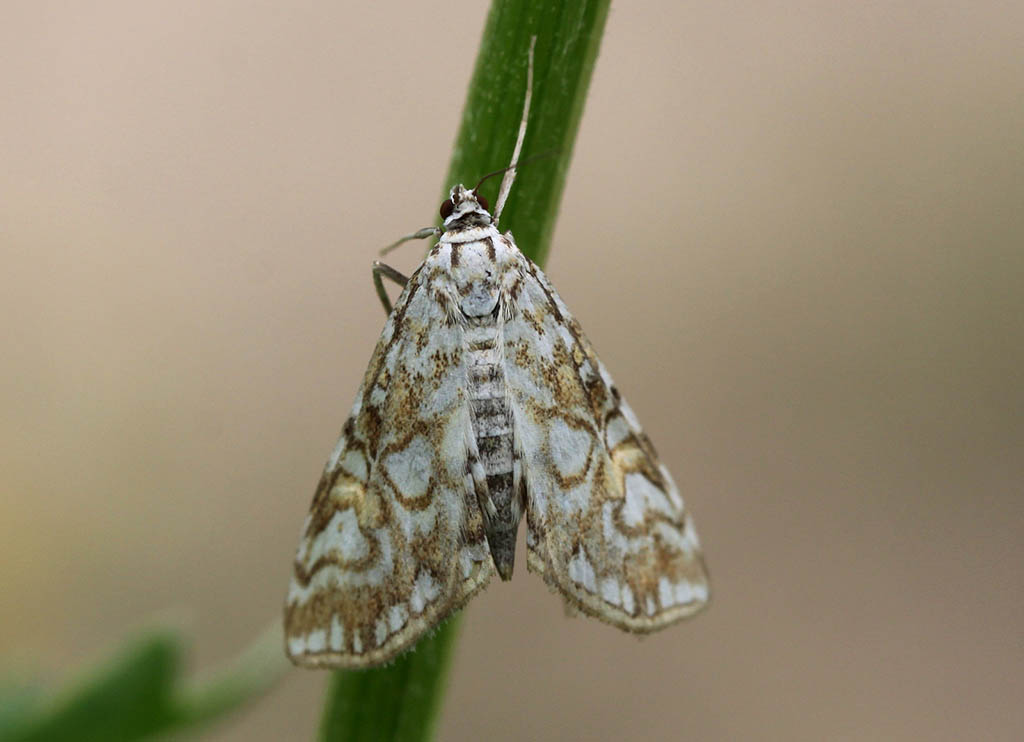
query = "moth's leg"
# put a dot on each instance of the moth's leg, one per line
(420, 235)
(382, 269)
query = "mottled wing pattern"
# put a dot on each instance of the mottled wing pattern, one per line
(392, 543)
(606, 526)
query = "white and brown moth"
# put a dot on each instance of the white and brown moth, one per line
(484, 402)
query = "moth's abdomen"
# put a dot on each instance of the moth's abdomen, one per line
(492, 429)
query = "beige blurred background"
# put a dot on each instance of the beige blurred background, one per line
(794, 230)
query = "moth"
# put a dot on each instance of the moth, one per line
(483, 403)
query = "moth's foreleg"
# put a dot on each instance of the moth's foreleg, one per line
(419, 235)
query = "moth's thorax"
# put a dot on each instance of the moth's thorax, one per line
(475, 233)
(476, 268)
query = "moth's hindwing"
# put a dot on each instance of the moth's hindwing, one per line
(392, 544)
(606, 526)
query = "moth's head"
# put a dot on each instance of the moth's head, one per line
(463, 203)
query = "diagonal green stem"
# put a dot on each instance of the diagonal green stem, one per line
(568, 36)
(396, 702)
(400, 701)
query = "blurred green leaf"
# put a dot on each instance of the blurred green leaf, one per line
(139, 693)
(400, 702)
(124, 700)
(17, 705)
(224, 688)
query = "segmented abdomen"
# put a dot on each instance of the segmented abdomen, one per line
(492, 426)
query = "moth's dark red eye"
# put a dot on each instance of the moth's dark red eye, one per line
(483, 202)
(447, 208)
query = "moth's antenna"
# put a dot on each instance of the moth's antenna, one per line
(491, 175)
(510, 173)
(531, 158)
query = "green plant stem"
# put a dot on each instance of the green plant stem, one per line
(400, 701)
(568, 36)
(397, 702)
